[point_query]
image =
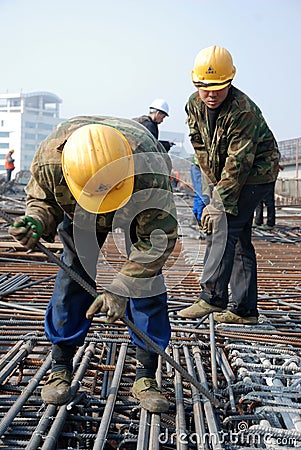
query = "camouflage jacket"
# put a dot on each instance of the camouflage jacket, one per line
(242, 151)
(152, 203)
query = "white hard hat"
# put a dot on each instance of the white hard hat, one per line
(161, 105)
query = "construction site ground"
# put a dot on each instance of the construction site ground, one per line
(253, 372)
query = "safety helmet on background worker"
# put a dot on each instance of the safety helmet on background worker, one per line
(213, 69)
(98, 167)
(160, 105)
(11, 151)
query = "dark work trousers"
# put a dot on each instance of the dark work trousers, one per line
(230, 258)
(269, 202)
(65, 319)
(8, 174)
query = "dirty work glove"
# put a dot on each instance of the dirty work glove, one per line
(26, 230)
(210, 218)
(198, 206)
(113, 305)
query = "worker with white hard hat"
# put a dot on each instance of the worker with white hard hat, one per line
(158, 110)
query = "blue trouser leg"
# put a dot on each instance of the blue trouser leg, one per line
(65, 320)
(237, 266)
(150, 315)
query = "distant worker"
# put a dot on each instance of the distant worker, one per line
(239, 159)
(175, 178)
(158, 110)
(9, 164)
(269, 202)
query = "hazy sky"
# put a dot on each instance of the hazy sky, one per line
(113, 57)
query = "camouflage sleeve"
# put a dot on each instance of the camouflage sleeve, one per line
(41, 202)
(157, 234)
(242, 144)
(156, 231)
(193, 122)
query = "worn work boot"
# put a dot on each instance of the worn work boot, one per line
(266, 227)
(199, 309)
(230, 317)
(146, 390)
(57, 388)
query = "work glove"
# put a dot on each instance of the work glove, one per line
(112, 305)
(27, 230)
(210, 218)
(198, 206)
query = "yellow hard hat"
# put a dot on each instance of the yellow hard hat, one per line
(98, 166)
(12, 150)
(213, 69)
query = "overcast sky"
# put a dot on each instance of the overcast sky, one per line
(113, 57)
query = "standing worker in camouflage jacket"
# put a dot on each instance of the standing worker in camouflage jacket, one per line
(92, 175)
(239, 158)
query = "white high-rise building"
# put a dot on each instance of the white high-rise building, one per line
(25, 121)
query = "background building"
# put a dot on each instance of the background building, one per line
(288, 186)
(25, 121)
(291, 157)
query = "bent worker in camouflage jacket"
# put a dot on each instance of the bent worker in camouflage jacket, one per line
(90, 176)
(239, 159)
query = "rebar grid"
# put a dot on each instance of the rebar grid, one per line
(254, 371)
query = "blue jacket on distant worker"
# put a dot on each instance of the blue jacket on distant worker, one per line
(200, 200)
(90, 176)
